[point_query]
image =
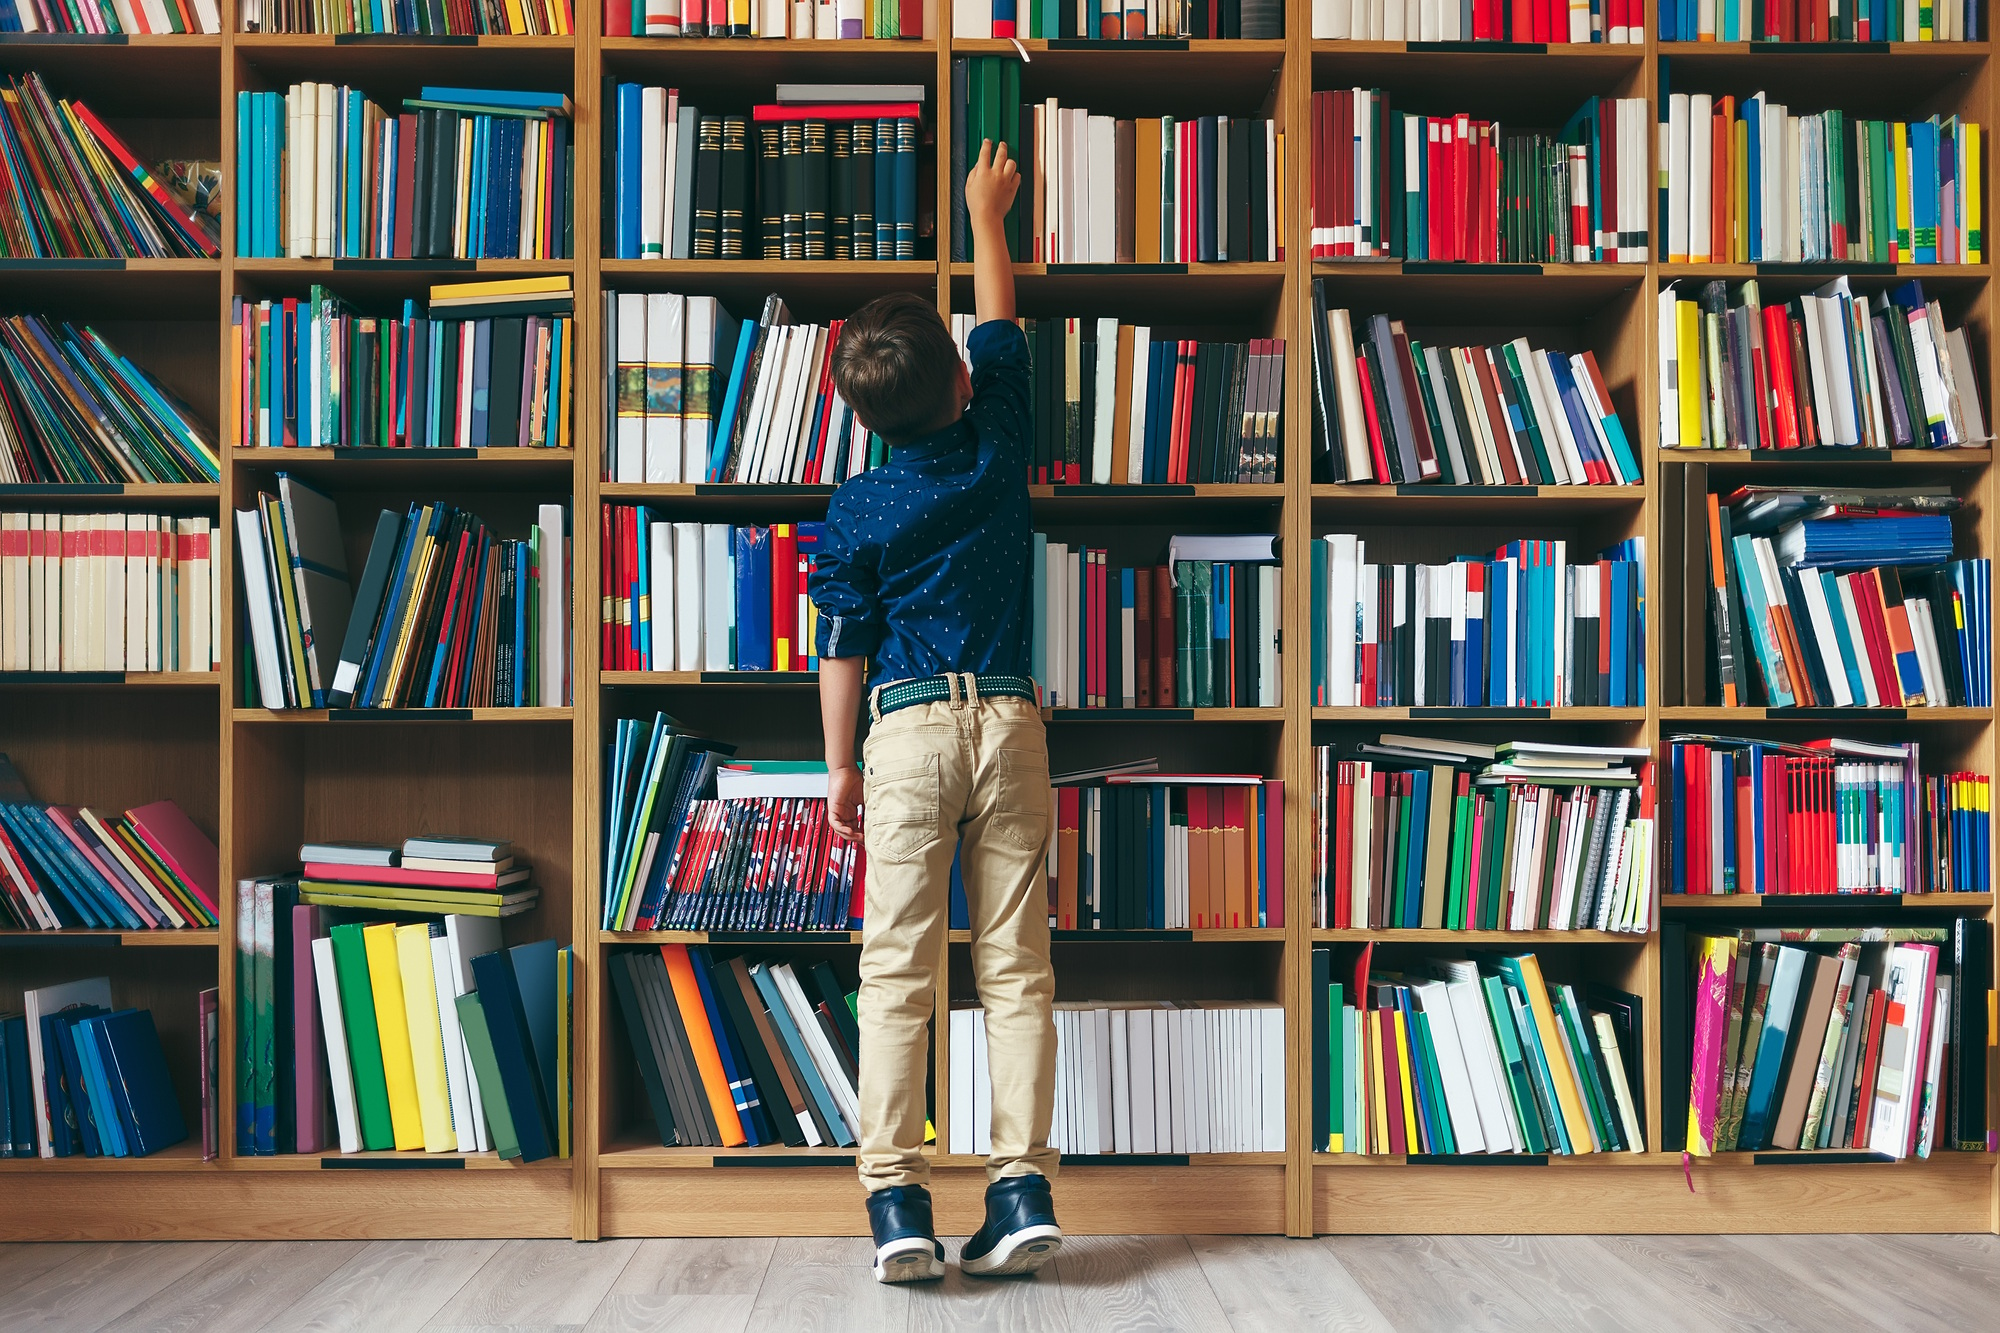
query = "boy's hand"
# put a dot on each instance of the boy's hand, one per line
(990, 185)
(843, 802)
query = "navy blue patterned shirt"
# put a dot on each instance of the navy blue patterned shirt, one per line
(924, 564)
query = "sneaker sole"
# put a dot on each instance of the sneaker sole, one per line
(912, 1259)
(1022, 1252)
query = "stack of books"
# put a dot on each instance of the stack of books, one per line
(461, 173)
(1524, 627)
(1615, 21)
(707, 596)
(695, 394)
(1480, 1054)
(1133, 20)
(107, 204)
(447, 614)
(1167, 1077)
(1198, 631)
(436, 18)
(1115, 403)
(1415, 831)
(111, 17)
(481, 365)
(740, 1053)
(466, 876)
(829, 173)
(108, 592)
(81, 1077)
(1825, 369)
(64, 866)
(355, 1034)
(1388, 408)
(1454, 188)
(1824, 816)
(1749, 182)
(1169, 851)
(1869, 1038)
(848, 20)
(72, 409)
(1098, 189)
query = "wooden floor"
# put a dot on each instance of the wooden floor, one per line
(1539, 1284)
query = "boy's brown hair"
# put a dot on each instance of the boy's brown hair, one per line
(897, 367)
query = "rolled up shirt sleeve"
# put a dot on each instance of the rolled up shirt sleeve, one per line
(846, 587)
(1001, 384)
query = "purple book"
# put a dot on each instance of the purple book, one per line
(308, 1049)
(205, 1049)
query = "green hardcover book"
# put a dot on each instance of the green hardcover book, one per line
(1519, 384)
(1596, 1097)
(1445, 1141)
(1492, 881)
(364, 1041)
(1520, 1086)
(1461, 848)
(485, 1068)
(246, 1023)
(1341, 1080)
(263, 1015)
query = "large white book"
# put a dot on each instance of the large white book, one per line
(554, 607)
(959, 1107)
(662, 586)
(629, 360)
(257, 593)
(718, 597)
(333, 1025)
(452, 1037)
(652, 172)
(688, 588)
(666, 315)
(467, 937)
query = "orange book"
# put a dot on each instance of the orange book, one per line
(1146, 194)
(1066, 872)
(1235, 910)
(1121, 412)
(1718, 578)
(707, 1059)
(1902, 645)
(1724, 179)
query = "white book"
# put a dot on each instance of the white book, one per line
(257, 592)
(467, 937)
(1139, 1047)
(666, 315)
(554, 594)
(1548, 403)
(1107, 398)
(689, 586)
(653, 163)
(453, 1038)
(718, 601)
(49, 1000)
(630, 359)
(822, 1054)
(1200, 1056)
(1142, 353)
(1163, 1079)
(333, 1024)
(1121, 1082)
(1933, 1090)
(1353, 423)
(320, 126)
(658, 613)
(1829, 646)
(699, 398)
(1461, 1102)
(761, 394)
(1497, 1122)
(960, 1104)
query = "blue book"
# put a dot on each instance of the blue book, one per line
(507, 1023)
(80, 872)
(627, 195)
(68, 1104)
(97, 1083)
(1499, 611)
(1761, 1104)
(732, 399)
(136, 1068)
(753, 598)
(500, 100)
(958, 911)
(535, 978)
(801, 1055)
(735, 1067)
(1621, 630)
(1410, 892)
(246, 240)
(377, 651)
(1924, 190)
(482, 370)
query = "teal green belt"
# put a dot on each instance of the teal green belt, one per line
(938, 689)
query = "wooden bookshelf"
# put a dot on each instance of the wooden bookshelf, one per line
(263, 782)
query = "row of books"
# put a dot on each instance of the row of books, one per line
(1824, 369)
(464, 876)
(423, 1034)
(81, 1077)
(846, 20)
(1523, 627)
(764, 863)
(147, 18)
(480, 365)
(453, 18)
(1826, 816)
(108, 592)
(1120, 20)
(655, 770)
(66, 866)
(1415, 831)
(1166, 1077)
(686, 596)
(694, 394)
(74, 409)
(1620, 22)
(1190, 633)
(1829, 1038)
(1097, 189)
(1751, 182)
(1389, 408)
(1117, 403)
(460, 173)
(1818, 21)
(830, 173)
(448, 614)
(1169, 851)
(1449, 188)
(1475, 1055)
(738, 1052)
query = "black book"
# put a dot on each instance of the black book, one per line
(420, 195)
(1239, 181)
(1232, 463)
(443, 182)
(793, 192)
(756, 1111)
(1329, 458)
(1393, 451)
(503, 394)
(643, 1053)
(960, 227)
(835, 995)
(1259, 180)
(708, 189)
(818, 166)
(863, 151)
(1967, 1036)
(770, 191)
(1132, 853)
(840, 191)
(680, 1052)
(1199, 463)
(1675, 1014)
(1208, 207)
(1322, 1037)
(1247, 622)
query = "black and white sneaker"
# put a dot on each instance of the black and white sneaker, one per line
(906, 1244)
(1020, 1234)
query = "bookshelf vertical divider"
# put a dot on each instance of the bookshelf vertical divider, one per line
(267, 801)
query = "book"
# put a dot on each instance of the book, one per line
(1505, 20)
(129, 592)
(1168, 852)
(537, 18)
(1817, 22)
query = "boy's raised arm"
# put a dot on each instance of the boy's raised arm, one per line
(990, 186)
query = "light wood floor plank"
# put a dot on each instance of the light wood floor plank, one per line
(1716, 1279)
(1135, 1282)
(1277, 1284)
(538, 1282)
(1857, 1274)
(1570, 1284)
(391, 1285)
(503, 1328)
(1424, 1284)
(696, 1266)
(672, 1313)
(1968, 1263)
(989, 1305)
(100, 1285)
(825, 1285)
(237, 1291)
(21, 1260)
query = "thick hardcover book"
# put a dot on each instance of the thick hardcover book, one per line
(637, 1033)
(364, 1046)
(507, 1023)
(309, 1065)
(486, 1069)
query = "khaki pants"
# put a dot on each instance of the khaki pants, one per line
(971, 776)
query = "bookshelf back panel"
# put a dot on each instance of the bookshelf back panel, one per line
(1950, 82)
(1121, 971)
(1519, 91)
(114, 749)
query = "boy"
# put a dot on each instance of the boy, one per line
(923, 570)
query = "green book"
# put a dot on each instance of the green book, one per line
(364, 1041)
(1596, 1097)
(1341, 1084)
(1432, 1091)
(1461, 847)
(1518, 381)
(486, 1068)
(1496, 861)
(1527, 1108)
(263, 1016)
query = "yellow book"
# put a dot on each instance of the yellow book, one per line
(1900, 143)
(1687, 355)
(1971, 186)
(278, 550)
(385, 979)
(1378, 1101)
(517, 22)
(1412, 1139)
(427, 550)
(491, 288)
(413, 951)
(1739, 196)
(1560, 1074)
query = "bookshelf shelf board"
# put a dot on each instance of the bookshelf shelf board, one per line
(626, 1157)
(192, 938)
(152, 680)
(723, 679)
(1434, 503)
(182, 1156)
(345, 716)
(948, 1161)
(1612, 277)
(1079, 48)
(751, 49)
(102, 495)
(1844, 902)
(549, 470)
(617, 272)
(1419, 935)
(394, 1161)
(1154, 503)
(1272, 716)
(1499, 1161)
(1628, 716)
(1822, 717)
(1248, 935)
(1263, 271)
(729, 937)
(1124, 78)
(335, 270)
(1866, 458)
(1324, 46)
(80, 264)
(1827, 270)
(310, 41)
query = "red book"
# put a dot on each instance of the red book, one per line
(910, 26)
(1142, 634)
(1867, 589)
(836, 111)
(784, 607)
(605, 578)
(1871, 1061)
(1164, 690)
(1376, 446)
(1392, 1077)
(1343, 844)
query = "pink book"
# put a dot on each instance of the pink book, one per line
(205, 1050)
(331, 872)
(66, 818)
(1711, 1011)
(173, 838)
(1274, 852)
(308, 1050)
(1472, 864)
